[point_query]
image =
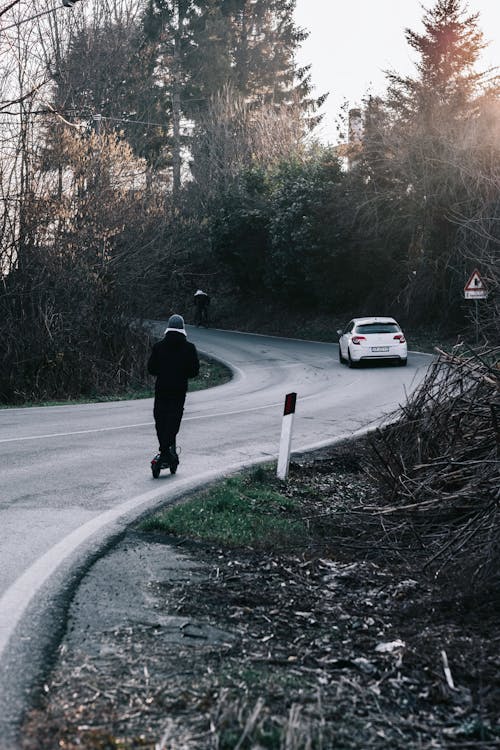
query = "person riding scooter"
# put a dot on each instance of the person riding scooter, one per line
(173, 361)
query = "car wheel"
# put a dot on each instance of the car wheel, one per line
(341, 358)
(403, 362)
(350, 362)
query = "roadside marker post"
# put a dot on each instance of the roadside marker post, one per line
(286, 435)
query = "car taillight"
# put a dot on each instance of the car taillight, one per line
(400, 337)
(358, 339)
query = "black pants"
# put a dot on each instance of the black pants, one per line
(168, 411)
(201, 317)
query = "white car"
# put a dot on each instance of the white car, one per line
(365, 339)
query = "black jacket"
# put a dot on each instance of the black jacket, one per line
(173, 360)
(201, 301)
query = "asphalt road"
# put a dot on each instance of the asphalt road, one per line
(72, 477)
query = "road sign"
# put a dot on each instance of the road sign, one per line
(475, 287)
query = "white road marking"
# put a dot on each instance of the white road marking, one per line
(16, 599)
(147, 424)
(76, 432)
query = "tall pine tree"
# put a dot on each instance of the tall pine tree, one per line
(417, 143)
(251, 45)
(447, 85)
(206, 46)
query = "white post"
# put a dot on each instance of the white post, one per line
(286, 435)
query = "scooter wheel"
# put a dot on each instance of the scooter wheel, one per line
(155, 469)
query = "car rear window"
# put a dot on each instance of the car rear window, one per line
(378, 328)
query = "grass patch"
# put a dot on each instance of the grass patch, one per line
(211, 373)
(240, 511)
(129, 395)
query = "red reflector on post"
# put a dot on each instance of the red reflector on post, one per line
(290, 401)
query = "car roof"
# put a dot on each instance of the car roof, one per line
(374, 320)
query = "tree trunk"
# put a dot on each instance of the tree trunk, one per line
(176, 104)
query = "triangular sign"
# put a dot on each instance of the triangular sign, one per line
(475, 283)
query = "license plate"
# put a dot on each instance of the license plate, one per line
(380, 348)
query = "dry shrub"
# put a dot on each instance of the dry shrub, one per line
(66, 334)
(439, 470)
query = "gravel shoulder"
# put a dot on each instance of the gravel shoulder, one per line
(341, 643)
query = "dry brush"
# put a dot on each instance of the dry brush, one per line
(439, 469)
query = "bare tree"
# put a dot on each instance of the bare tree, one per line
(68, 257)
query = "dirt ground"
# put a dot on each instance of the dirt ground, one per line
(343, 643)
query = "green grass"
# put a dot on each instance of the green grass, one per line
(128, 395)
(240, 511)
(211, 373)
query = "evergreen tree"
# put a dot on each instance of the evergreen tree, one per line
(167, 25)
(250, 45)
(207, 47)
(412, 186)
(448, 84)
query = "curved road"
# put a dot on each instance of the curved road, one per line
(73, 477)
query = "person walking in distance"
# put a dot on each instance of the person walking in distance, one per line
(173, 361)
(201, 303)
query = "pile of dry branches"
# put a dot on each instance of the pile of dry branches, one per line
(439, 467)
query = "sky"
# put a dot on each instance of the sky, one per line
(351, 43)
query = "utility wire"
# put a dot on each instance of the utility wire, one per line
(67, 112)
(133, 122)
(56, 113)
